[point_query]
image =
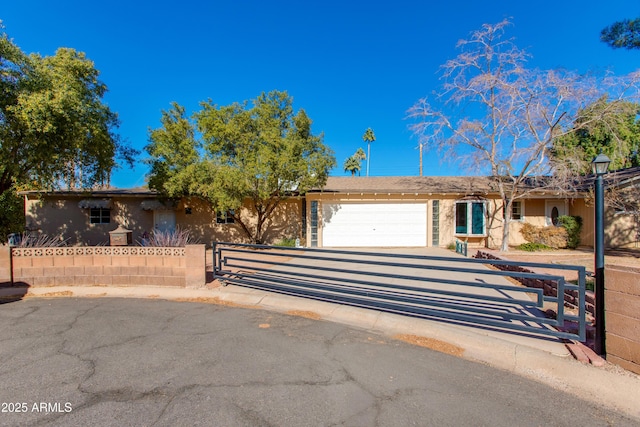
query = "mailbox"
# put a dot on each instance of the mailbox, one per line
(120, 237)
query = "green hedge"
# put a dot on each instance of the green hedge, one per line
(573, 225)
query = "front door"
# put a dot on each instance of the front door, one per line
(164, 220)
(554, 209)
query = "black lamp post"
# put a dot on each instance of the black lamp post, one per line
(600, 165)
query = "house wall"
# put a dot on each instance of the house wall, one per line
(534, 214)
(62, 215)
(446, 222)
(620, 230)
(585, 210)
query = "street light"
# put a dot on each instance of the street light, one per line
(599, 165)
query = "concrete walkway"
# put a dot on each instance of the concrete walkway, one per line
(546, 361)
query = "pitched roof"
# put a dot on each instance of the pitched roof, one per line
(109, 192)
(409, 184)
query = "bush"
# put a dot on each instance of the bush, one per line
(554, 237)
(573, 225)
(28, 240)
(533, 247)
(289, 243)
(175, 238)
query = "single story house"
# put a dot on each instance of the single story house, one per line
(346, 212)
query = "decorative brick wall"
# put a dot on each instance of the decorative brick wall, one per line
(109, 266)
(622, 305)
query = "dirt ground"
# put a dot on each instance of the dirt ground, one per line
(582, 256)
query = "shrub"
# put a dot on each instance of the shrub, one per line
(533, 247)
(175, 238)
(289, 243)
(554, 237)
(529, 232)
(573, 225)
(28, 240)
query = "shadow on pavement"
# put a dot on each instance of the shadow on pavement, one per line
(12, 292)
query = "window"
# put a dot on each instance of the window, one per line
(99, 216)
(435, 236)
(314, 223)
(470, 218)
(516, 211)
(225, 217)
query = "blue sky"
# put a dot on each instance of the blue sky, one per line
(350, 64)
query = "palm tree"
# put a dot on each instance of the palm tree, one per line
(360, 155)
(352, 164)
(368, 137)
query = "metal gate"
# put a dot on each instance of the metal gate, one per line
(453, 289)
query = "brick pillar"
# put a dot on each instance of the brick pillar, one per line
(622, 301)
(5, 264)
(195, 271)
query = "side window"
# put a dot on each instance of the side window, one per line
(516, 211)
(99, 216)
(225, 217)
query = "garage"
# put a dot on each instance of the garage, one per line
(374, 224)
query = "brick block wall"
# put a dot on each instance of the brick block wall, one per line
(108, 266)
(622, 311)
(5, 264)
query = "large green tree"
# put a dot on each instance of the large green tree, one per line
(622, 34)
(263, 153)
(616, 133)
(55, 129)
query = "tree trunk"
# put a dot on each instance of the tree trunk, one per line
(504, 246)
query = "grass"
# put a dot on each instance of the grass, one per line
(533, 247)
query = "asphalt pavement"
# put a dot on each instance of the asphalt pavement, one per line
(230, 356)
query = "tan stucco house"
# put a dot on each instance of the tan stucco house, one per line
(347, 212)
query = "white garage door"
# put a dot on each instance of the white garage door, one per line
(374, 224)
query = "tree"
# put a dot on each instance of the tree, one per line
(617, 135)
(55, 130)
(352, 164)
(622, 34)
(496, 116)
(229, 154)
(368, 137)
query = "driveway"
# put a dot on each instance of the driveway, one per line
(79, 362)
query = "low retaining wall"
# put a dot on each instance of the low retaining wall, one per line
(622, 311)
(105, 266)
